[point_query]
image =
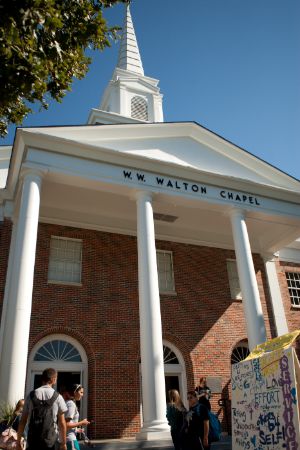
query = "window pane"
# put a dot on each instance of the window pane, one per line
(234, 282)
(293, 282)
(65, 260)
(57, 351)
(165, 271)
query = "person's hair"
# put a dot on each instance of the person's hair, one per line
(202, 381)
(76, 387)
(48, 375)
(175, 399)
(73, 388)
(19, 404)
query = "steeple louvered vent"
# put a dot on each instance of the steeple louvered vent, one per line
(139, 108)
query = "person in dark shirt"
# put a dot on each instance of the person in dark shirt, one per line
(196, 426)
(203, 393)
(175, 414)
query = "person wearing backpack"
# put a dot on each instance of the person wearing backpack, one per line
(196, 425)
(44, 413)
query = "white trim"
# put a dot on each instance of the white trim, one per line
(177, 369)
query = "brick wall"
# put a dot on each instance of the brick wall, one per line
(201, 320)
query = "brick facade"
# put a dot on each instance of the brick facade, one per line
(201, 320)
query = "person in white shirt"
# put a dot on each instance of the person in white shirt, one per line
(71, 395)
(44, 395)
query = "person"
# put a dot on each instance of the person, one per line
(43, 396)
(204, 393)
(196, 427)
(13, 421)
(175, 416)
(17, 414)
(72, 394)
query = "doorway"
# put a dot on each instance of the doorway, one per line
(66, 356)
(172, 382)
(64, 379)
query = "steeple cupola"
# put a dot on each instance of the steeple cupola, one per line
(130, 96)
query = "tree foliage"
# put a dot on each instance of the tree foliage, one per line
(42, 48)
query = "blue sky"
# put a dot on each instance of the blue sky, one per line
(231, 65)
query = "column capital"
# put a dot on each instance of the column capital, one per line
(269, 257)
(237, 213)
(33, 172)
(143, 195)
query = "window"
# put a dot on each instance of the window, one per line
(169, 356)
(234, 282)
(293, 281)
(57, 350)
(165, 271)
(139, 108)
(240, 352)
(65, 260)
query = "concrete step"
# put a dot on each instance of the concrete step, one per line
(132, 444)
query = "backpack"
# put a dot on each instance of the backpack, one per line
(215, 429)
(42, 430)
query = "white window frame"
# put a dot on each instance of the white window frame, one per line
(37, 367)
(54, 281)
(163, 290)
(233, 278)
(294, 291)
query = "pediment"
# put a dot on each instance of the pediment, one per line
(171, 148)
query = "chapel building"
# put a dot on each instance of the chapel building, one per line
(138, 255)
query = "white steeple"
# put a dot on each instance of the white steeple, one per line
(130, 96)
(129, 55)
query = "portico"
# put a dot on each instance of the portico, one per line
(100, 172)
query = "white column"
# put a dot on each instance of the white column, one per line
(153, 380)
(17, 323)
(276, 299)
(251, 301)
(8, 282)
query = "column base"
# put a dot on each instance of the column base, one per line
(155, 432)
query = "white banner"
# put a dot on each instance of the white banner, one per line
(265, 409)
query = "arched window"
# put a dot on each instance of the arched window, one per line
(169, 356)
(240, 352)
(139, 108)
(57, 350)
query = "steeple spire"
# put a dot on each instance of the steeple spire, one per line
(130, 97)
(129, 55)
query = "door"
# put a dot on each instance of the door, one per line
(64, 379)
(172, 382)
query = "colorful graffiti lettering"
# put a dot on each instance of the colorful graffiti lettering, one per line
(265, 403)
(288, 404)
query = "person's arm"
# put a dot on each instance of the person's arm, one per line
(21, 428)
(205, 434)
(81, 423)
(62, 426)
